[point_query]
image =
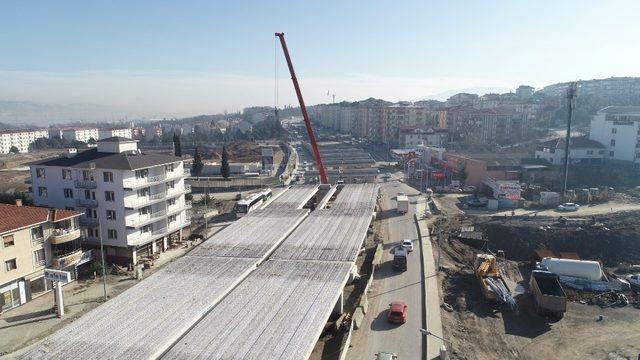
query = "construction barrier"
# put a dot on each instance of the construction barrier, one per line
(347, 343)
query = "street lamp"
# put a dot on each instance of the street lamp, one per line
(443, 348)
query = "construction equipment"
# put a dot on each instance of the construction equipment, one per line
(303, 108)
(492, 283)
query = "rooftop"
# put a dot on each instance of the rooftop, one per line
(13, 217)
(635, 110)
(106, 160)
(580, 142)
(118, 139)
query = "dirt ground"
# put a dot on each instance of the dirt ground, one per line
(478, 330)
(14, 169)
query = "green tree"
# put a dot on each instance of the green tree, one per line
(196, 168)
(225, 171)
(176, 145)
(14, 150)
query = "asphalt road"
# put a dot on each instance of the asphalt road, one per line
(377, 334)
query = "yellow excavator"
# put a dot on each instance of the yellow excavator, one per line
(491, 280)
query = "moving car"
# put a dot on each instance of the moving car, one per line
(397, 312)
(400, 259)
(568, 207)
(407, 244)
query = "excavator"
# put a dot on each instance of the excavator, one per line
(491, 279)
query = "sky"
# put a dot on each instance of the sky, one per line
(180, 58)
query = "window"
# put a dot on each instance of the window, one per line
(36, 233)
(140, 174)
(611, 153)
(8, 240)
(613, 142)
(92, 232)
(112, 234)
(171, 202)
(614, 130)
(589, 152)
(111, 215)
(42, 191)
(172, 218)
(68, 193)
(40, 173)
(38, 258)
(145, 229)
(601, 152)
(87, 175)
(109, 196)
(91, 213)
(169, 167)
(144, 210)
(66, 174)
(170, 185)
(10, 265)
(143, 192)
(108, 176)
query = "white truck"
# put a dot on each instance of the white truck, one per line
(402, 204)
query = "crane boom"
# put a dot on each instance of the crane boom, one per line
(312, 137)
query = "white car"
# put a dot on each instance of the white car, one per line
(634, 279)
(568, 207)
(408, 245)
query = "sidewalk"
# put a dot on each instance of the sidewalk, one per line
(432, 296)
(31, 322)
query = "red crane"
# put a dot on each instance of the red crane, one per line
(312, 137)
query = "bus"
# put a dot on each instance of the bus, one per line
(251, 203)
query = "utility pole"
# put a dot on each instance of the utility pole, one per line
(571, 103)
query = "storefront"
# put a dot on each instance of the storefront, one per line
(12, 295)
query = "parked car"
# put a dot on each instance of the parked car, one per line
(383, 355)
(568, 207)
(407, 244)
(397, 312)
(634, 280)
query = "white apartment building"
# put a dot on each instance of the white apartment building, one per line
(618, 129)
(581, 150)
(80, 134)
(116, 131)
(134, 201)
(21, 139)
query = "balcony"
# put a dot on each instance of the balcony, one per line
(59, 236)
(146, 219)
(85, 184)
(64, 260)
(144, 201)
(141, 182)
(159, 231)
(87, 203)
(85, 221)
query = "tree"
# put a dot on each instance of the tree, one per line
(196, 168)
(176, 145)
(14, 150)
(225, 171)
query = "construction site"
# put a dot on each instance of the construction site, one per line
(264, 286)
(539, 285)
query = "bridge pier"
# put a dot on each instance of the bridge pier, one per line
(339, 308)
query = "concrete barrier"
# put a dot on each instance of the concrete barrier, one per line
(346, 344)
(377, 257)
(358, 318)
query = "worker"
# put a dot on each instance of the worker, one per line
(513, 213)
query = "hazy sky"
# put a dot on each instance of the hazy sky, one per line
(177, 58)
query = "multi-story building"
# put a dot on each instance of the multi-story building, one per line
(463, 99)
(524, 91)
(582, 150)
(618, 129)
(403, 115)
(412, 137)
(472, 126)
(124, 132)
(32, 239)
(21, 139)
(134, 202)
(80, 134)
(611, 87)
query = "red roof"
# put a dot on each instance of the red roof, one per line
(13, 217)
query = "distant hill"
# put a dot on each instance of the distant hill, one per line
(32, 113)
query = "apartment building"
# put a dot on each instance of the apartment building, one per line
(471, 126)
(618, 129)
(582, 150)
(412, 137)
(404, 115)
(21, 139)
(80, 134)
(123, 132)
(134, 202)
(611, 87)
(32, 239)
